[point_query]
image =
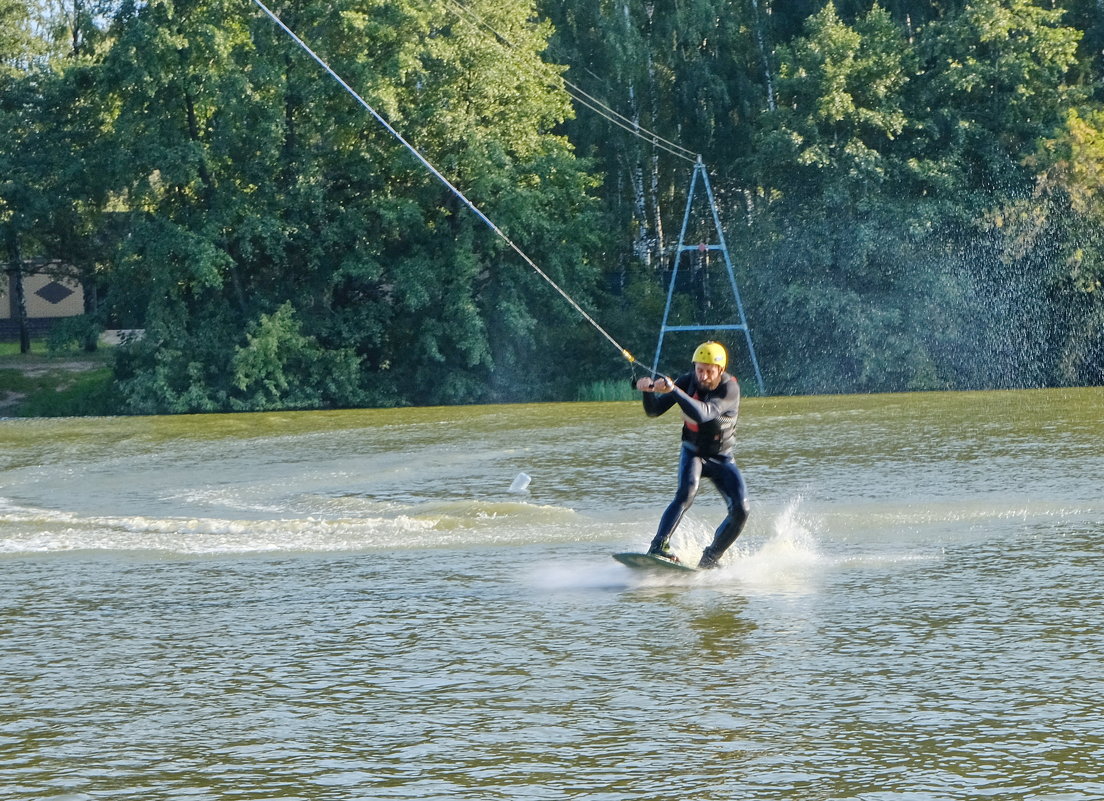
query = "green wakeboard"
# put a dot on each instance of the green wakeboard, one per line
(653, 563)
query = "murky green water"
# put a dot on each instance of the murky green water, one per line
(353, 605)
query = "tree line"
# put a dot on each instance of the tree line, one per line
(910, 192)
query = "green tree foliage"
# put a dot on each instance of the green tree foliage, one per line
(996, 80)
(58, 177)
(269, 207)
(1006, 64)
(880, 166)
(832, 242)
(15, 37)
(909, 190)
(840, 107)
(1055, 240)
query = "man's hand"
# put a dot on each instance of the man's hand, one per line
(657, 385)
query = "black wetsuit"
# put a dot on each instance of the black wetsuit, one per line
(708, 433)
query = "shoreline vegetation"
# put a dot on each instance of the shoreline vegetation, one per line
(74, 383)
(66, 383)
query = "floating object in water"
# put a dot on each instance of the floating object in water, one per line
(520, 483)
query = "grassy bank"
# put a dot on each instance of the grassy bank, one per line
(44, 384)
(607, 391)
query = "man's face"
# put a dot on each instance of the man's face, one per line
(708, 375)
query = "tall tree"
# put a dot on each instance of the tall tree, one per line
(19, 200)
(76, 163)
(828, 247)
(1055, 238)
(282, 219)
(997, 79)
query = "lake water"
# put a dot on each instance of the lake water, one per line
(354, 605)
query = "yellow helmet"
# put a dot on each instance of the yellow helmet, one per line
(711, 353)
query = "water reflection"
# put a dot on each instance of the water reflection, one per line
(723, 629)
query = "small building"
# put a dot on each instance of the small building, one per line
(46, 296)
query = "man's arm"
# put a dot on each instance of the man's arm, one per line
(658, 395)
(726, 398)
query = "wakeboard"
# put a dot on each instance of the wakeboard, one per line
(653, 563)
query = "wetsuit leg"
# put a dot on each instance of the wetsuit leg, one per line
(689, 476)
(724, 473)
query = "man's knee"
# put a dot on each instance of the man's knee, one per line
(686, 493)
(739, 509)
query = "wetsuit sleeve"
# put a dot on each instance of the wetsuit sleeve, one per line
(656, 404)
(725, 398)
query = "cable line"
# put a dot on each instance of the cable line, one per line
(589, 101)
(434, 171)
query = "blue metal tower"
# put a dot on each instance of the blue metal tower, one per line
(742, 325)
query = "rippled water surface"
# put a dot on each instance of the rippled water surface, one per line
(353, 605)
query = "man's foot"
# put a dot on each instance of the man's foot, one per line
(708, 561)
(665, 552)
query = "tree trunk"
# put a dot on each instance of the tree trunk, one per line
(91, 305)
(767, 76)
(640, 202)
(19, 300)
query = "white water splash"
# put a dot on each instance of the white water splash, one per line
(429, 525)
(789, 561)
